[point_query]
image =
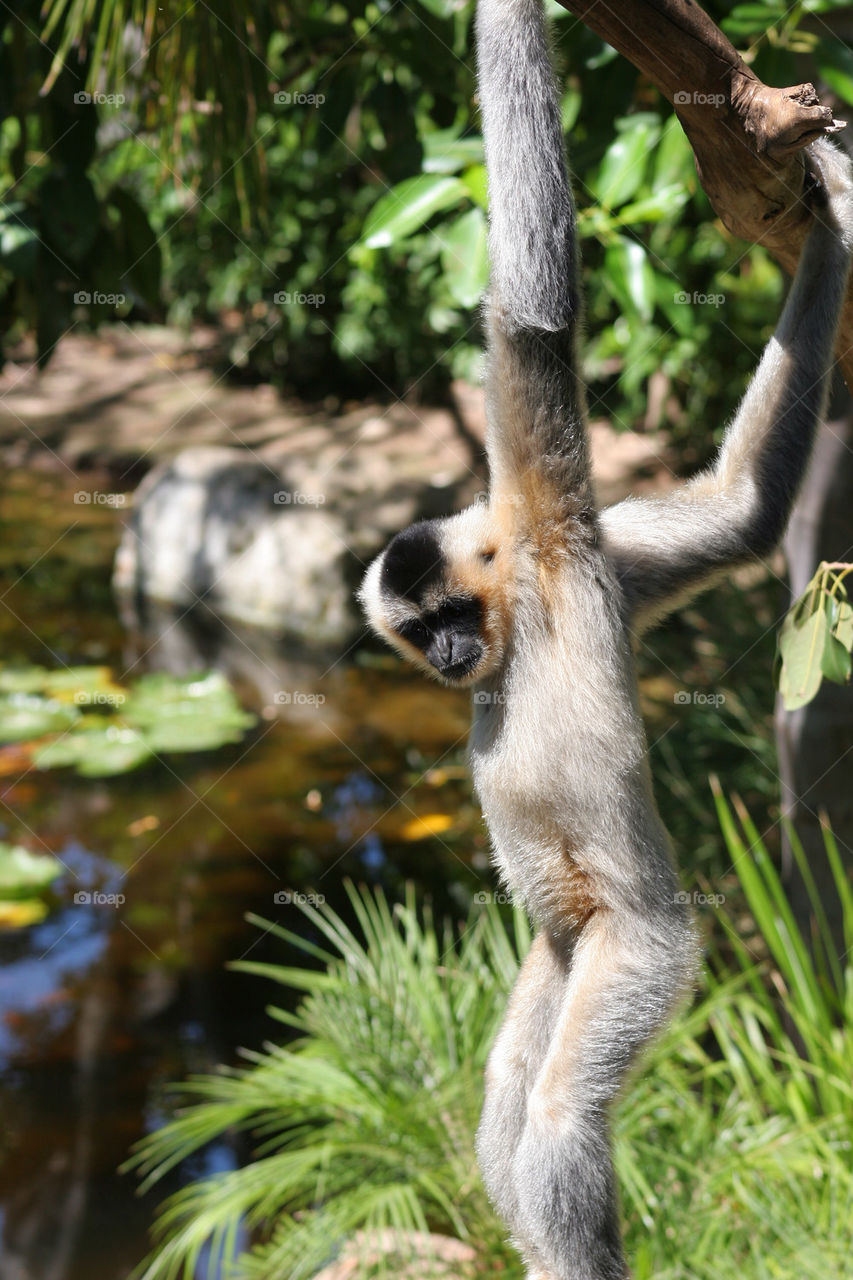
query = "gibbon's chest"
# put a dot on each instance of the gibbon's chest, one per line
(557, 729)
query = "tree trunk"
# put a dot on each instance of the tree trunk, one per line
(815, 744)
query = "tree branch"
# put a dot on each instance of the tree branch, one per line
(747, 137)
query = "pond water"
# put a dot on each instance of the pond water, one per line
(123, 988)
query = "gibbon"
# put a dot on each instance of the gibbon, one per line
(532, 601)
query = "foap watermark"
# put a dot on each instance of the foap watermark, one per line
(696, 299)
(290, 897)
(482, 698)
(288, 298)
(296, 698)
(97, 298)
(84, 99)
(697, 899)
(95, 498)
(296, 498)
(483, 498)
(285, 98)
(483, 898)
(95, 898)
(684, 98)
(696, 698)
(99, 698)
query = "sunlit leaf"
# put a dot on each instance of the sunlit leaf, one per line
(408, 206)
(96, 753)
(23, 873)
(630, 277)
(27, 715)
(624, 164)
(802, 653)
(465, 257)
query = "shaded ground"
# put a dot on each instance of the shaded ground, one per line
(128, 398)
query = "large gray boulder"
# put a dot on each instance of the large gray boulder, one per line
(279, 545)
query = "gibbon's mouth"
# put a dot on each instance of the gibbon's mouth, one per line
(462, 669)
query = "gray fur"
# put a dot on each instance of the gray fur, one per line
(558, 750)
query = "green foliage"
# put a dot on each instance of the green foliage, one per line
(23, 877)
(732, 1148)
(816, 639)
(313, 176)
(103, 728)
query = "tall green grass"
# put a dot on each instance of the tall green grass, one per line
(733, 1146)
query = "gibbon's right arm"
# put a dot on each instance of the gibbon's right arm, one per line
(666, 550)
(536, 438)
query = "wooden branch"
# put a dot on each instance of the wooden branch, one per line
(747, 137)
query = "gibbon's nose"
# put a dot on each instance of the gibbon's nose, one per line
(443, 649)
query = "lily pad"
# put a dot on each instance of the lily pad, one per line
(96, 753)
(23, 874)
(28, 715)
(23, 679)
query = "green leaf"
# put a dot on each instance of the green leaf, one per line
(444, 152)
(748, 20)
(476, 183)
(835, 660)
(465, 258)
(835, 64)
(802, 652)
(19, 246)
(624, 165)
(665, 203)
(96, 753)
(570, 105)
(23, 679)
(843, 628)
(408, 206)
(23, 873)
(630, 277)
(27, 715)
(673, 158)
(201, 731)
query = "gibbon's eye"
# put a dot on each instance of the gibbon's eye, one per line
(487, 556)
(456, 608)
(415, 632)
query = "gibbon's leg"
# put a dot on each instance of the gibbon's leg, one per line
(628, 972)
(515, 1060)
(666, 550)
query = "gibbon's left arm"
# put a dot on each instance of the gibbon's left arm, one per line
(666, 550)
(536, 440)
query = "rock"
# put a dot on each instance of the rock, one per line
(279, 545)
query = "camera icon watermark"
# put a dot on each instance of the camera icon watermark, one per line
(482, 698)
(94, 497)
(697, 899)
(285, 298)
(695, 697)
(484, 899)
(696, 299)
(684, 98)
(291, 897)
(84, 99)
(97, 298)
(98, 698)
(482, 498)
(95, 898)
(283, 98)
(296, 498)
(296, 698)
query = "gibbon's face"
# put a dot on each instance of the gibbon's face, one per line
(436, 596)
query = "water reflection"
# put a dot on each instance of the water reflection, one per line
(123, 987)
